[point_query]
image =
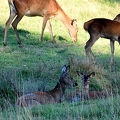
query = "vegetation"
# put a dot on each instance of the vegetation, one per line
(37, 65)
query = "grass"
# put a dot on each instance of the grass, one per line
(37, 66)
(99, 109)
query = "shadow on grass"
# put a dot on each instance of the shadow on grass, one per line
(111, 1)
(30, 38)
(117, 1)
(11, 37)
(60, 38)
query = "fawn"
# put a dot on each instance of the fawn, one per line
(86, 94)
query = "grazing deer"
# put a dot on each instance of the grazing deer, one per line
(44, 8)
(104, 28)
(52, 96)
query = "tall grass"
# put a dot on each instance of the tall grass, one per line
(98, 110)
(37, 66)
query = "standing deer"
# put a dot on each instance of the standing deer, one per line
(104, 28)
(48, 97)
(44, 8)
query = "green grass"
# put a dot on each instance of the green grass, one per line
(37, 65)
(99, 109)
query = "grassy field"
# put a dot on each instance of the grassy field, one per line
(37, 65)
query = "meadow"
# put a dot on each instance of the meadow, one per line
(37, 65)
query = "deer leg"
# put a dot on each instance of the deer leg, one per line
(45, 19)
(88, 51)
(93, 57)
(12, 16)
(89, 44)
(112, 52)
(14, 24)
(50, 29)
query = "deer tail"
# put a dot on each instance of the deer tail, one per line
(87, 24)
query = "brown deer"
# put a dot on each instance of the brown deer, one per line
(104, 28)
(44, 8)
(48, 97)
(86, 93)
(79, 95)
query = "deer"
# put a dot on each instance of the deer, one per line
(86, 94)
(104, 28)
(43, 8)
(52, 96)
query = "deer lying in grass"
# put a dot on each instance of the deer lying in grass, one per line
(86, 94)
(44, 8)
(52, 96)
(104, 28)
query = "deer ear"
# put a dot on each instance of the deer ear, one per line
(68, 68)
(117, 18)
(79, 73)
(74, 22)
(91, 74)
(64, 69)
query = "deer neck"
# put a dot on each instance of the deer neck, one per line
(60, 88)
(61, 15)
(85, 92)
(58, 91)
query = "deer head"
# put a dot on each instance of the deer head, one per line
(66, 78)
(73, 31)
(86, 78)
